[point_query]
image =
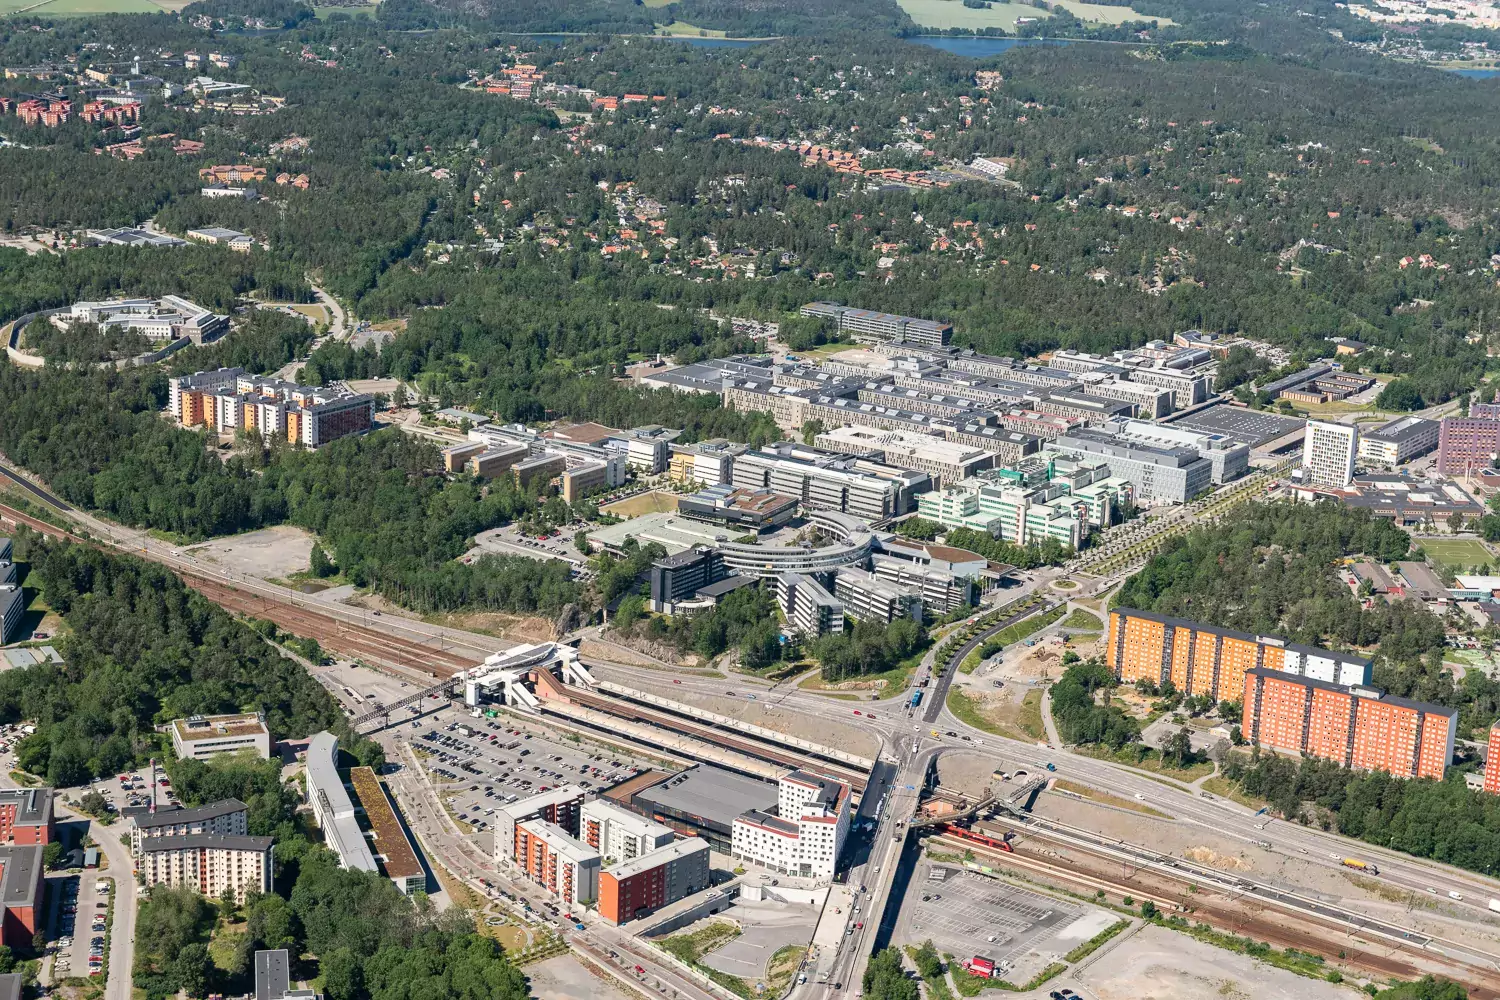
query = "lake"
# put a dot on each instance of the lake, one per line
(1477, 74)
(980, 46)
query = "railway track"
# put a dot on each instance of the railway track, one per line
(336, 636)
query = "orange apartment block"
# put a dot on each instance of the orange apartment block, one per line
(1203, 659)
(557, 862)
(1492, 762)
(1358, 726)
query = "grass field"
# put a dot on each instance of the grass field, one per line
(651, 502)
(1456, 552)
(78, 8)
(683, 28)
(944, 14)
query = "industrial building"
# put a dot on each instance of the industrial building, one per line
(203, 736)
(1358, 726)
(1203, 659)
(1399, 441)
(805, 834)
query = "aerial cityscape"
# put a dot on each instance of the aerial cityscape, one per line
(792, 500)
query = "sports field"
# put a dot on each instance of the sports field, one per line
(1457, 553)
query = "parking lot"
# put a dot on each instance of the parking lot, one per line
(480, 764)
(967, 914)
(76, 923)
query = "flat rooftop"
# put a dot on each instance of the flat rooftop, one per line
(212, 727)
(391, 843)
(1237, 423)
(272, 975)
(675, 851)
(710, 794)
(673, 533)
(196, 814)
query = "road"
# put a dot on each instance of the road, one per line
(122, 930)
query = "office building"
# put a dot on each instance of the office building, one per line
(1149, 402)
(1399, 441)
(203, 736)
(394, 854)
(1047, 426)
(1328, 452)
(225, 818)
(21, 895)
(332, 808)
(1358, 726)
(561, 807)
(1159, 474)
(1080, 403)
(865, 326)
(619, 834)
(581, 479)
(1010, 370)
(557, 861)
(1228, 459)
(497, 460)
(942, 460)
(633, 889)
(209, 864)
(805, 834)
(456, 457)
(867, 597)
(12, 611)
(1467, 445)
(167, 318)
(26, 816)
(701, 801)
(678, 578)
(941, 589)
(1187, 388)
(539, 468)
(808, 606)
(1007, 446)
(1203, 659)
(1411, 503)
(743, 510)
(648, 449)
(822, 480)
(707, 463)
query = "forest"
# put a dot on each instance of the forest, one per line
(141, 649)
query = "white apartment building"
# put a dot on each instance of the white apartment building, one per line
(1328, 453)
(208, 863)
(809, 608)
(866, 597)
(806, 834)
(225, 818)
(620, 834)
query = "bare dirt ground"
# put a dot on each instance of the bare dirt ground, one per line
(1428, 914)
(563, 978)
(967, 774)
(1157, 964)
(637, 651)
(270, 552)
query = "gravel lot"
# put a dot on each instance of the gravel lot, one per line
(271, 552)
(563, 978)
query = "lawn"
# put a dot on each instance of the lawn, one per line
(683, 28)
(650, 502)
(944, 14)
(967, 711)
(1107, 14)
(1106, 799)
(67, 8)
(1083, 619)
(1456, 553)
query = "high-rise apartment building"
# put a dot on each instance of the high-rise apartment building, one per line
(632, 889)
(618, 833)
(805, 834)
(1492, 762)
(1328, 452)
(1468, 444)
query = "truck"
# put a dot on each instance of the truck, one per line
(916, 698)
(980, 966)
(1360, 866)
(1495, 905)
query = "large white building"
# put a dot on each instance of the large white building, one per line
(204, 736)
(805, 835)
(332, 808)
(945, 461)
(620, 834)
(1328, 452)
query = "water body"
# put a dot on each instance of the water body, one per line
(978, 46)
(1477, 74)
